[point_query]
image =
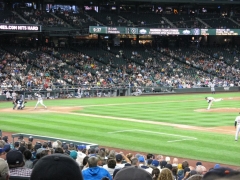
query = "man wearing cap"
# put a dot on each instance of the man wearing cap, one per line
(119, 159)
(81, 154)
(73, 154)
(2, 153)
(95, 172)
(142, 164)
(155, 164)
(4, 170)
(56, 167)
(16, 163)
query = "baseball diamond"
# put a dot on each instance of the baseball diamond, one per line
(145, 124)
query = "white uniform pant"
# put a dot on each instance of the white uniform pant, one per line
(41, 102)
(237, 132)
(215, 100)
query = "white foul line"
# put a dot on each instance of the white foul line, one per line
(186, 138)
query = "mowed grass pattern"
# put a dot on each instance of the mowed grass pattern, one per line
(137, 136)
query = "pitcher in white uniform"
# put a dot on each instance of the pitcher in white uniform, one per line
(40, 100)
(237, 127)
(210, 100)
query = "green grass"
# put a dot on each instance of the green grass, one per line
(138, 136)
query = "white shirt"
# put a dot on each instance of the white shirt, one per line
(80, 158)
(39, 97)
(237, 120)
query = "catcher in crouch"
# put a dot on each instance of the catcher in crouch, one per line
(19, 104)
(210, 100)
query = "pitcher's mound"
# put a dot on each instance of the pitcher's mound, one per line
(219, 110)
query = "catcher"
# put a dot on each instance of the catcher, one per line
(19, 104)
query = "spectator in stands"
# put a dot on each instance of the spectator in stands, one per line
(55, 167)
(175, 162)
(4, 170)
(94, 171)
(110, 166)
(58, 150)
(160, 158)
(195, 177)
(185, 174)
(2, 153)
(119, 159)
(2, 143)
(165, 174)
(81, 154)
(201, 169)
(16, 145)
(155, 173)
(73, 154)
(27, 159)
(41, 152)
(132, 172)
(85, 163)
(16, 164)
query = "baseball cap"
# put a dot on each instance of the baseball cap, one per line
(81, 147)
(4, 169)
(14, 157)
(119, 157)
(55, 167)
(65, 147)
(198, 163)
(73, 154)
(169, 166)
(155, 163)
(149, 161)
(163, 164)
(7, 147)
(216, 166)
(132, 173)
(141, 159)
(2, 150)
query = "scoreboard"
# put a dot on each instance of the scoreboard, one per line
(161, 31)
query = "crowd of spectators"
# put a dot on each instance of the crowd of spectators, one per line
(60, 160)
(46, 67)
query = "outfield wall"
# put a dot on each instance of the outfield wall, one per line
(110, 92)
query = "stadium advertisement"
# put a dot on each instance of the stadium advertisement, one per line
(21, 27)
(161, 31)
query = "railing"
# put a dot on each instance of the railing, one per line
(47, 138)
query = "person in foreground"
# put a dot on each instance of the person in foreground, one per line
(94, 171)
(55, 167)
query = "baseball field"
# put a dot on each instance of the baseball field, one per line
(174, 125)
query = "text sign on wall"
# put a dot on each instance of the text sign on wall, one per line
(21, 27)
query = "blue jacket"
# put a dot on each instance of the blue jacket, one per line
(95, 173)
